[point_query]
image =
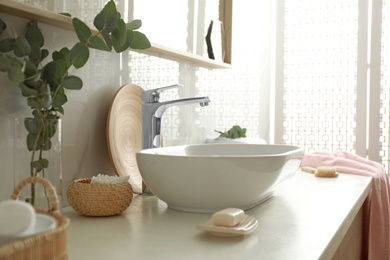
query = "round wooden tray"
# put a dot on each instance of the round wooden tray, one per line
(124, 133)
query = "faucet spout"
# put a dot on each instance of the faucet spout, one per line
(151, 118)
(203, 101)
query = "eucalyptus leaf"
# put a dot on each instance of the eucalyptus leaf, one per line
(30, 142)
(35, 54)
(97, 43)
(107, 19)
(140, 41)
(3, 26)
(60, 109)
(72, 82)
(107, 39)
(66, 14)
(40, 164)
(119, 35)
(15, 73)
(82, 30)
(126, 45)
(27, 91)
(7, 45)
(34, 102)
(52, 74)
(44, 54)
(21, 47)
(58, 56)
(34, 35)
(78, 55)
(32, 125)
(59, 100)
(134, 25)
(5, 62)
(51, 128)
(30, 70)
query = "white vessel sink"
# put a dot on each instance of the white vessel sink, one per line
(206, 178)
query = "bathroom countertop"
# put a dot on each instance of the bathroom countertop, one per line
(306, 219)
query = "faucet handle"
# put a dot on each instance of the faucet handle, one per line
(153, 95)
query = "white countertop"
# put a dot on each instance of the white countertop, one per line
(307, 219)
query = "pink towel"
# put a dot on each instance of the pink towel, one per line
(376, 235)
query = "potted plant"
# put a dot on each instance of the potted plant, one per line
(235, 134)
(43, 79)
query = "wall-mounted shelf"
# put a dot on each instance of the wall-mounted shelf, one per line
(32, 13)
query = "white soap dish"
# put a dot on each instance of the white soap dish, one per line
(245, 227)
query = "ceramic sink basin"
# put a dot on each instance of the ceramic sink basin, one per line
(206, 178)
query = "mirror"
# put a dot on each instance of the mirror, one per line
(180, 26)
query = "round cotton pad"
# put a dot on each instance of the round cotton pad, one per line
(15, 217)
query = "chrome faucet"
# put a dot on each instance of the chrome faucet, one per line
(152, 111)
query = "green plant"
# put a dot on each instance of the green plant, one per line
(233, 133)
(43, 82)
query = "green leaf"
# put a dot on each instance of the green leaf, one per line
(126, 45)
(72, 82)
(60, 110)
(15, 73)
(233, 133)
(40, 164)
(59, 100)
(32, 125)
(79, 55)
(21, 47)
(27, 91)
(66, 14)
(107, 18)
(140, 41)
(34, 102)
(119, 35)
(3, 26)
(30, 141)
(30, 70)
(107, 39)
(34, 35)
(44, 54)
(82, 30)
(50, 127)
(134, 25)
(35, 54)
(61, 55)
(7, 45)
(97, 43)
(52, 74)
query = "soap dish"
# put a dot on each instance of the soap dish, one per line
(245, 227)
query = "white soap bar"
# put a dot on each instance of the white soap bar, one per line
(15, 217)
(228, 217)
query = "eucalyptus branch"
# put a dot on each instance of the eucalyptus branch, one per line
(22, 58)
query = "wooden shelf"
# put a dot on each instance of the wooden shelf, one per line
(32, 13)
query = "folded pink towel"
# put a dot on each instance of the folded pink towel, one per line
(376, 244)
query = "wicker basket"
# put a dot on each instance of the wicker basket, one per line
(47, 245)
(99, 200)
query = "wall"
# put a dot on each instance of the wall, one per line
(239, 96)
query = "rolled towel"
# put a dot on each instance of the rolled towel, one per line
(16, 217)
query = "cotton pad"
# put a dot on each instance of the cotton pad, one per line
(15, 217)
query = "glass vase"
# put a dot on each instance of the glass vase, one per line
(46, 163)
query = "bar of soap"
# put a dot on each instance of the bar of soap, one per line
(326, 171)
(15, 217)
(228, 217)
